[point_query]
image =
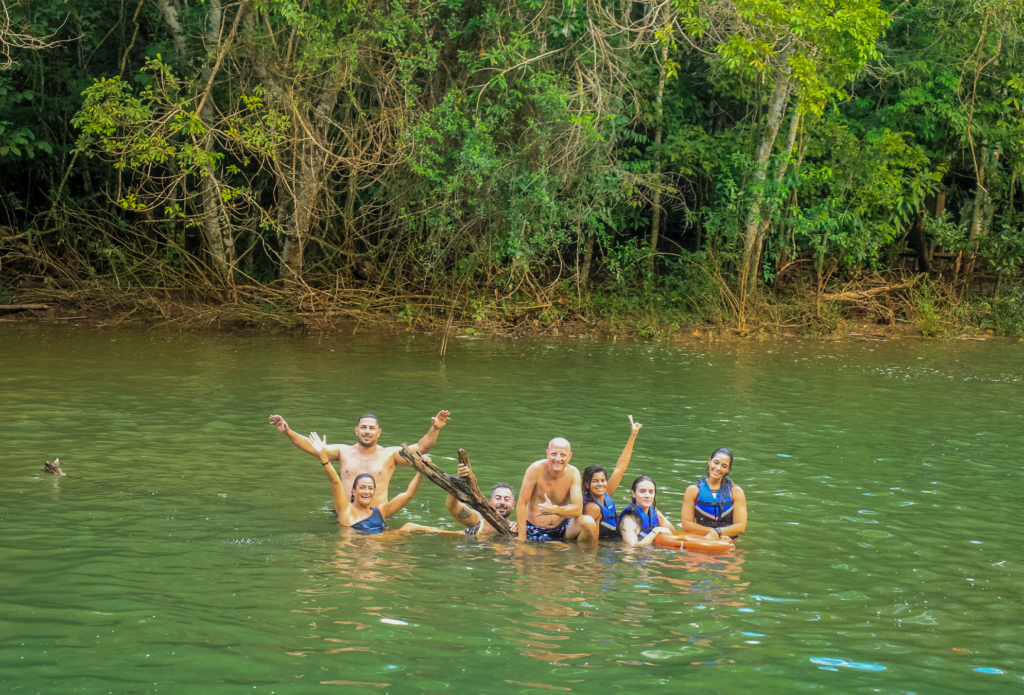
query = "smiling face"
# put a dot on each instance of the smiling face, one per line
(504, 501)
(719, 466)
(644, 493)
(559, 454)
(598, 485)
(368, 431)
(364, 490)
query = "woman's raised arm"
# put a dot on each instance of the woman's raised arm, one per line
(392, 506)
(341, 503)
(623, 463)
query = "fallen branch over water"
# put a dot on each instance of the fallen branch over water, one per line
(12, 308)
(862, 295)
(466, 490)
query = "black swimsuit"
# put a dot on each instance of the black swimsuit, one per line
(371, 524)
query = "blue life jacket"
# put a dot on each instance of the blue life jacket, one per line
(709, 511)
(648, 520)
(373, 523)
(607, 528)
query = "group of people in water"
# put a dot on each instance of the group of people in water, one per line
(556, 502)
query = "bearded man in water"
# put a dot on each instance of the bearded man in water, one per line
(551, 499)
(503, 499)
(365, 456)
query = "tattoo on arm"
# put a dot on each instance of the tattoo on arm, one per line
(465, 513)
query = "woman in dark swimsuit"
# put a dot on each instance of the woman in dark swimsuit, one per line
(354, 510)
(714, 504)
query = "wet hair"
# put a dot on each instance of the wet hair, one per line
(588, 476)
(632, 489)
(726, 480)
(363, 417)
(356, 482)
(501, 485)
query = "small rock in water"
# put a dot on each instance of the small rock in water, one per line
(53, 467)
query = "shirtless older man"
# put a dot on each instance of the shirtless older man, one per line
(551, 499)
(365, 456)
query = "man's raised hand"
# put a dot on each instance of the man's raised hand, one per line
(464, 470)
(278, 422)
(441, 419)
(635, 425)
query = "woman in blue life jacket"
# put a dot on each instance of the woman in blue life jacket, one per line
(641, 522)
(715, 502)
(598, 488)
(354, 510)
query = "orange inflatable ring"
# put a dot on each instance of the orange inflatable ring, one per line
(693, 541)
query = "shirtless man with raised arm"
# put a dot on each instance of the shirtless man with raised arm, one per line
(365, 456)
(551, 499)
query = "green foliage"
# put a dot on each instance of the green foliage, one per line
(453, 144)
(1007, 312)
(822, 46)
(930, 309)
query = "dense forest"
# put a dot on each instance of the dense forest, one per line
(647, 165)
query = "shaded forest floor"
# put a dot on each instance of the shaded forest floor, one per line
(869, 306)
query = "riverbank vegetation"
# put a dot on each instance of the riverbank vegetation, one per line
(610, 165)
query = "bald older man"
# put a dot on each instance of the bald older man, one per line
(551, 499)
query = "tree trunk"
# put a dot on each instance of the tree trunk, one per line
(307, 189)
(588, 257)
(217, 229)
(659, 115)
(172, 15)
(984, 206)
(980, 193)
(780, 173)
(920, 239)
(751, 237)
(349, 240)
(466, 490)
(937, 212)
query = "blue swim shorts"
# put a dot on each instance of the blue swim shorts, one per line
(539, 533)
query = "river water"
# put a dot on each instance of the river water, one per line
(193, 550)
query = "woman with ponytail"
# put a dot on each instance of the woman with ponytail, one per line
(715, 502)
(354, 507)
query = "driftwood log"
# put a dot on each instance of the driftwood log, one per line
(864, 295)
(12, 308)
(53, 467)
(466, 490)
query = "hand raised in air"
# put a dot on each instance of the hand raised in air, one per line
(441, 419)
(278, 422)
(635, 425)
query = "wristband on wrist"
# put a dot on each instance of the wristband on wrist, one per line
(719, 530)
(324, 463)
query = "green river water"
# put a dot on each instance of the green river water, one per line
(194, 550)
